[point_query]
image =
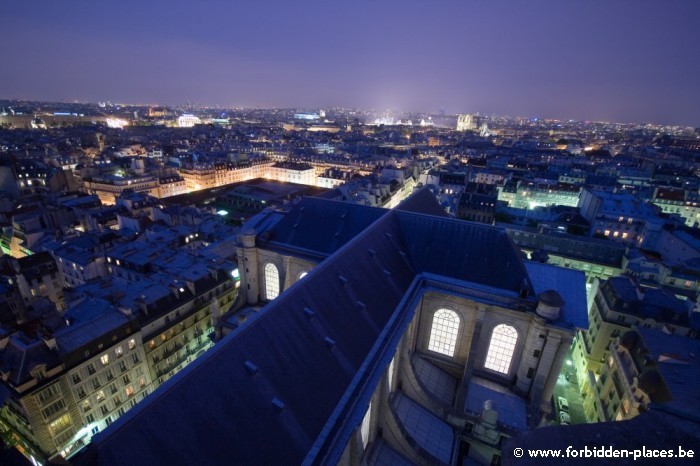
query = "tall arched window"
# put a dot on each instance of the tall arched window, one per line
(364, 428)
(501, 348)
(272, 281)
(443, 332)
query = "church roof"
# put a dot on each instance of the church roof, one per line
(320, 225)
(467, 251)
(299, 374)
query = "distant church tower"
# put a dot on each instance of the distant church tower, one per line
(467, 122)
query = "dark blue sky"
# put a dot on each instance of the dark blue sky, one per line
(622, 60)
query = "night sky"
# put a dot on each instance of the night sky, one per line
(613, 60)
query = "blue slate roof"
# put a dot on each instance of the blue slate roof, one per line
(320, 225)
(302, 350)
(676, 358)
(277, 388)
(463, 250)
(22, 355)
(570, 284)
(423, 201)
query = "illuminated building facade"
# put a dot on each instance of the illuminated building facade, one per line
(171, 186)
(64, 389)
(292, 172)
(467, 123)
(528, 195)
(617, 216)
(37, 276)
(644, 367)
(68, 386)
(681, 202)
(109, 187)
(206, 176)
(620, 303)
(188, 121)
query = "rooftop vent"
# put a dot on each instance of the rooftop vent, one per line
(252, 368)
(278, 404)
(550, 304)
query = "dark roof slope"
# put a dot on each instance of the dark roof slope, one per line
(275, 382)
(320, 225)
(463, 250)
(22, 355)
(423, 201)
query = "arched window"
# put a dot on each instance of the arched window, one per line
(390, 375)
(364, 428)
(272, 281)
(443, 333)
(501, 348)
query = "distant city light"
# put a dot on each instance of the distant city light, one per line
(116, 123)
(307, 116)
(188, 121)
(222, 212)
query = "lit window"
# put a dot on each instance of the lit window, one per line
(390, 375)
(607, 232)
(625, 235)
(60, 424)
(119, 351)
(443, 333)
(132, 344)
(105, 359)
(616, 234)
(501, 348)
(272, 281)
(364, 430)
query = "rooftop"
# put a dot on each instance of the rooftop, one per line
(678, 360)
(323, 342)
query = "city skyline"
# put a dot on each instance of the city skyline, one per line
(627, 62)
